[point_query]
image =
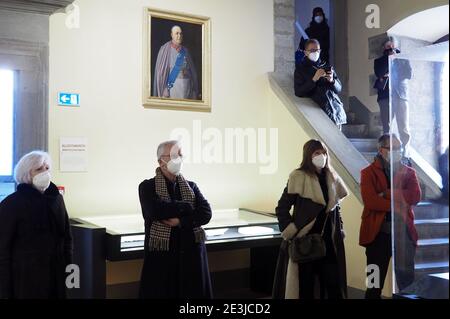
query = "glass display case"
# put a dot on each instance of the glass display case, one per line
(228, 229)
(419, 172)
(116, 238)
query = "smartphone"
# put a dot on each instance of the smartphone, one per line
(328, 69)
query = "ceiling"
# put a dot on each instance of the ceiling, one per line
(429, 25)
(35, 6)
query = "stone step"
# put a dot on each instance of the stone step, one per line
(431, 250)
(355, 130)
(429, 268)
(430, 210)
(432, 228)
(365, 144)
(432, 242)
(375, 131)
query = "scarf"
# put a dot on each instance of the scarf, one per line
(386, 168)
(160, 232)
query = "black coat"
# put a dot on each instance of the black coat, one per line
(381, 67)
(320, 32)
(181, 272)
(35, 244)
(324, 93)
(401, 73)
(305, 210)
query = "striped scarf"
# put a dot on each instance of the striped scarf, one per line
(160, 232)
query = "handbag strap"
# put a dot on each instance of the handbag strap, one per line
(325, 223)
(323, 228)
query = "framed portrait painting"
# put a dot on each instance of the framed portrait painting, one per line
(177, 61)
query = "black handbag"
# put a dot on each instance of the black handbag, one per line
(309, 247)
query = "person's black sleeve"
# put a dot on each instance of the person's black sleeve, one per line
(303, 86)
(8, 220)
(68, 242)
(283, 209)
(380, 67)
(156, 209)
(200, 214)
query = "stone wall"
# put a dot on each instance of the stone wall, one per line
(284, 11)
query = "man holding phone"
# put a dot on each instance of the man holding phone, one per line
(318, 80)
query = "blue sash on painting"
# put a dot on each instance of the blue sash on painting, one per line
(176, 68)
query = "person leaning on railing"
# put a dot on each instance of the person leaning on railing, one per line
(318, 80)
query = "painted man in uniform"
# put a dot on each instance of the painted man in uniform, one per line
(175, 74)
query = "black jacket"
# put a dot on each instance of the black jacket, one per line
(401, 72)
(183, 271)
(324, 93)
(381, 67)
(35, 244)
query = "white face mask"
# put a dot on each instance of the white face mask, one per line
(174, 166)
(314, 56)
(319, 161)
(318, 19)
(42, 181)
(396, 156)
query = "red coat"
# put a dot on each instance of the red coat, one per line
(407, 193)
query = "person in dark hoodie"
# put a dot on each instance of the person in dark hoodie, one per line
(35, 236)
(317, 80)
(319, 29)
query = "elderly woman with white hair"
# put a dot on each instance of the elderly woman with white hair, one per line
(174, 209)
(35, 237)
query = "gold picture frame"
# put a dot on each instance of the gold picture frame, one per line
(191, 89)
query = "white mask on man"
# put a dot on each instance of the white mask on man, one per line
(42, 181)
(174, 166)
(319, 161)
(396, 156)
(314, 56)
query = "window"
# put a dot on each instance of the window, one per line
(6, 132)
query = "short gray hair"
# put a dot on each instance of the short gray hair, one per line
(386, 138)
(162, 146)
(28, 162)
(311, 41)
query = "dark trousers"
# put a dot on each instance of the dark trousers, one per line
(328, 280)
(379, 253)
(400, 110)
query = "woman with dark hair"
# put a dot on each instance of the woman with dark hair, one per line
(315, 191)
(318, 29)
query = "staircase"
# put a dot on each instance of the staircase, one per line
(431, 217)
(432, 225)
(353, 149)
